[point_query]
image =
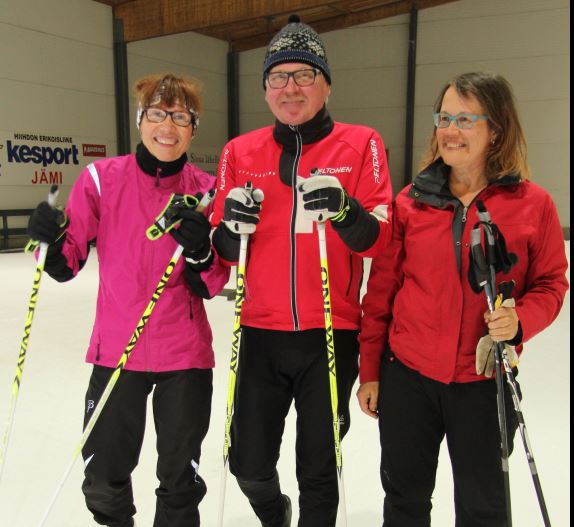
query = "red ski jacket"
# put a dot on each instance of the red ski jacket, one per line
(419, 299)
(283, 289)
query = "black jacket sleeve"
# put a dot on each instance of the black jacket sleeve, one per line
(56, 265)
(192, 273)
(359, 229)
(226, 243)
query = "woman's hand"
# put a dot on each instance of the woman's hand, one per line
(368, 395)
(502, 322)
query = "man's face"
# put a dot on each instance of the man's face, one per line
(293, 104)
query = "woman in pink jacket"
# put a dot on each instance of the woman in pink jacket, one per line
(422, 320)
(111, 205)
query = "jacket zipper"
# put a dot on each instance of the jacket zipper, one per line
(350, 275)
(293, 271)
(463, 218)
(146, 340)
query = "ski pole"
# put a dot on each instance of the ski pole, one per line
(332, 369)
(239, 297)
(483, 274)
(122, 362)
(43, 250)
(500, 354)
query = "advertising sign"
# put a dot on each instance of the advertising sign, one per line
(44, 159)
(30, 162)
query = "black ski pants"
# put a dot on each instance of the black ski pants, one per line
(415, 414)
(276, 368)
(181, 411)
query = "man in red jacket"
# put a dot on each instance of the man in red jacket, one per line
(283, 349)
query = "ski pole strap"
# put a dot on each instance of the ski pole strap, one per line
(478, 269)
(497, 254)
(169, 218)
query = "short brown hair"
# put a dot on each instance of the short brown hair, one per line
(170, 90)
(508, 153)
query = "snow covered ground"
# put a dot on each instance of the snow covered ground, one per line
(48, 419)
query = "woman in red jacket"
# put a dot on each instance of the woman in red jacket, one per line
(422, 321)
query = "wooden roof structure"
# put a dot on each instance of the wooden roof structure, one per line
(249, 24)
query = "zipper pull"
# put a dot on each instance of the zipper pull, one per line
(464, 211)
(157, 173)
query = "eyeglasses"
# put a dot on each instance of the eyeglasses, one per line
(461, 120)
(280, 79)
(179, 118)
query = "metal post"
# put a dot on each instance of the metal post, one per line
(232, 93)
(410, 114)
(122, 90)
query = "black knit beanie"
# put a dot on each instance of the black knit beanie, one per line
(297, 42)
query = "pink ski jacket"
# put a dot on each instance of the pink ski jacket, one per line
(112, 203)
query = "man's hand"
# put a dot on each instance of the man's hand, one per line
(324, 199)
(241, 210)
(368, 395)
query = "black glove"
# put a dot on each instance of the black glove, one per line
(324, 198)
(241, 209)
(47, 224)
(193, 235)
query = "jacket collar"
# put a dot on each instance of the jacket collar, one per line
(312, 131)
(152, 166)
(431, 185)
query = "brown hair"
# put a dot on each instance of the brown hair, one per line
(508, 153)
(170, 90)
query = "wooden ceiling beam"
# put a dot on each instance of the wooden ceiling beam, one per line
(144, 19)
(393, 8)
(248, 24)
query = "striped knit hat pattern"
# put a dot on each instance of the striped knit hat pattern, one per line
(297, 42)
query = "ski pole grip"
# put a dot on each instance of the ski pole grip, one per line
(53, 194)
(205, 200)
(485, 218)
(482, 213)
(480, 266)
(256, 194)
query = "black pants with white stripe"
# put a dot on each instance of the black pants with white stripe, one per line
(415, 414)
(275, 369)
(181, 412)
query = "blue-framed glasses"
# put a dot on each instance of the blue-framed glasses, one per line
(461, 120)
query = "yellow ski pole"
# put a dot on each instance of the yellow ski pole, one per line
(239, 297)
(25, 339)
(332, 369)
